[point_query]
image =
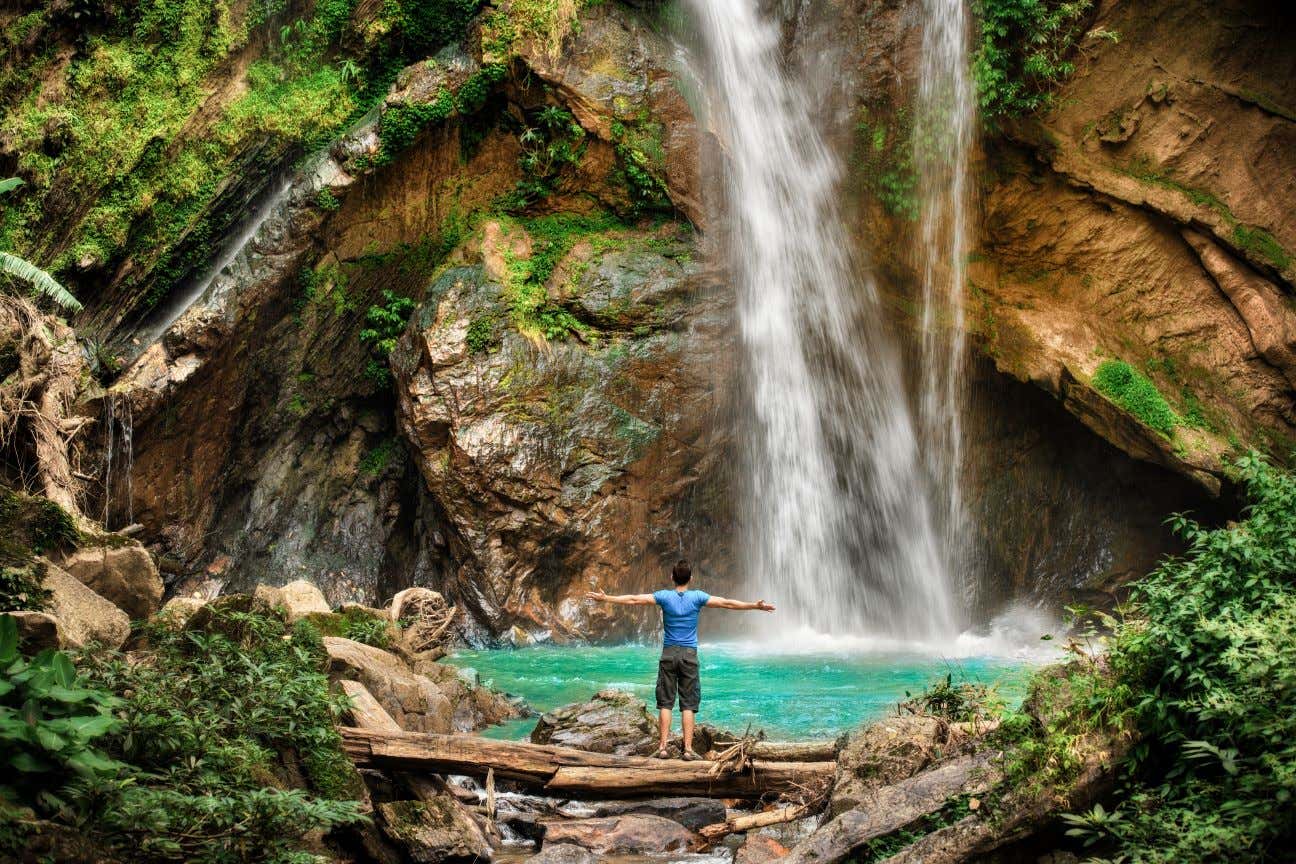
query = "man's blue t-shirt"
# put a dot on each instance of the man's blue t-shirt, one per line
(680, 615)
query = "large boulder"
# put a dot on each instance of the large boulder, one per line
(86, 617)
(635, 834)
(413, 700)
(759, 849)
(124, 574)
(475, 706)
(301, 598)
(614, 721)
(178, 610)
(39, 630)
(563, 853)
(434, 831)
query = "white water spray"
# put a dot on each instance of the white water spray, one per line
(836, 524)
(943, 131)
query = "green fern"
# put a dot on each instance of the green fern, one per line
(41, 282)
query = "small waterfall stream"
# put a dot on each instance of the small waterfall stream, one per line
(943, 131)
(836, 519)
(119, 433)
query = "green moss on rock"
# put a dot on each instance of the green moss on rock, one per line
(1136, 394)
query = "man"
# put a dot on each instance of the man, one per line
(677, 671)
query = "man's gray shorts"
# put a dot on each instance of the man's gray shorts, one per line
(677, 671)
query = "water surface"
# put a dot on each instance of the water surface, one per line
(814, 693)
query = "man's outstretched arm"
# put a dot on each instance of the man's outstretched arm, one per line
(740, 605)
(622, 599)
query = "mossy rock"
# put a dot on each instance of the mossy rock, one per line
(232, 616)
(367, 626)
(31, 525)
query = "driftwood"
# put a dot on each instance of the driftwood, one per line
(750, 821)
(894, 808)
(576, 773)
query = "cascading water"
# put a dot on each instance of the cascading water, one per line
(836, 517)
(943, 131)
(119, 434)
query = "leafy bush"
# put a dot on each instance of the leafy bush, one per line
(386, 323)
(49, 725)
(183, 755)
(21, 589)
(32, 525)
(1210, 653)
(963, 702)
(1136, 394)
(1023, 52)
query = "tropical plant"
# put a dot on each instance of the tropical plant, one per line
(42, 283)
(50, 723)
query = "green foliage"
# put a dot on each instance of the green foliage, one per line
(368, 629)
(640, 161)
(1209, 652)
(882, 848)
(205, 725)
(375, 461)
(964, 702)
(50, 727)
(883, 159)
(21, 589)
(1023, 50)
(1136, 394)
(1261, 243)
(326, 200)
(41, 283)
(386, 322)
(401, 123)
(33, 525)
(481, 334)
(551, 142)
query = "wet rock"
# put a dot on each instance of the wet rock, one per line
(475, 707)
(413, 700)
(563, 853)
(614, 721)
(519, 638)
(301, 598)
(582, 451)
(39, 630)
(692, 813)
(759, 849)
(125, 575)
(86, 617)
(433, 831)
(623, 835)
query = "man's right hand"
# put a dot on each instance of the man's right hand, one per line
(764, 607)
(596, 596)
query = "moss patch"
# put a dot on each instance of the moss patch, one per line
(1136, 394)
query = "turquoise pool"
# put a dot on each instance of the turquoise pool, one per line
(815, 693)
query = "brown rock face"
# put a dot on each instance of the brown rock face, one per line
(126, 575)
(560, 461)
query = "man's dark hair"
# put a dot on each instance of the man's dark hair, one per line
(681, 573)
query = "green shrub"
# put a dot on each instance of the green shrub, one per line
(386, 321)
(21, 589)
(1023, 50)
(1209, 652)
(51, 726)
(1135, 393)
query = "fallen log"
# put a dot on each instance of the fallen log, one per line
(575, 772)
(894, 808)
(675, 777)
(786, 751)
(750, 821)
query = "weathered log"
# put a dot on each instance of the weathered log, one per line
(676, 777)
(894, 808)
(749, 821)
(574, 772)
(787, 751)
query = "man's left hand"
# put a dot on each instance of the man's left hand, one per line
(764, 607)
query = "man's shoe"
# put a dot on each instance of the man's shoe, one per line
(690, 756)
(661, 754)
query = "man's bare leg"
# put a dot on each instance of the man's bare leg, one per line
(686, 720)
(664, 724)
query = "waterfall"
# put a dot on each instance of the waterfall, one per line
(836, 521)
(119, 435)
(943, 128)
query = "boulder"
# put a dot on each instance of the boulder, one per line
(86, 617)
(124, 575)
(475, 707)
(634, 834)
(563, 853)
(301, 598)
(178, 610)
(413, 700)
(759, 849)
(433, 831)
(39, 630)
(614, 721)
(692, 813)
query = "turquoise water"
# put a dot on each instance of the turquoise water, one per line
(814, 694)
